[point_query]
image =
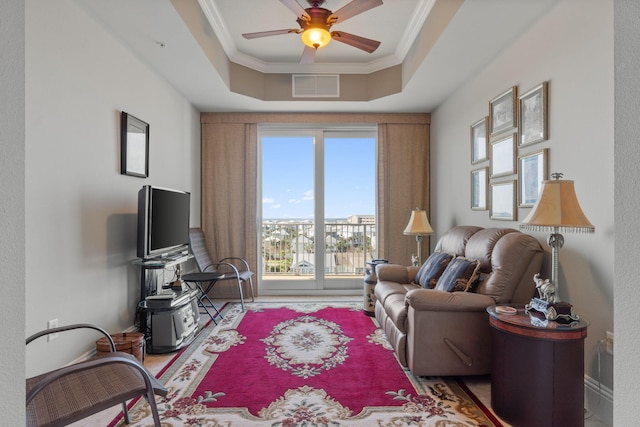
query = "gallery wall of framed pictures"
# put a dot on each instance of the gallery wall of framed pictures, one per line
(507, 166)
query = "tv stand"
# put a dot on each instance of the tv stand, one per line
(168, 319)
(149, 269)
(172, 321)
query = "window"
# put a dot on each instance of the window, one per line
(318, 223)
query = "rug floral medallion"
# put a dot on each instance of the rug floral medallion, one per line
(302, 364)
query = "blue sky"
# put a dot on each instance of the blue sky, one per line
(288, 170)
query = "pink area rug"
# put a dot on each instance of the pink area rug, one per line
(303, 364)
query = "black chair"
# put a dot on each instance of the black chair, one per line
(233, 268)
(69, 394)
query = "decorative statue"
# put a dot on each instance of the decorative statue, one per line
(545, 289)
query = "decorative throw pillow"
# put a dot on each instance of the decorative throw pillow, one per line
(459, 275)
(432, 269)
(473, 286)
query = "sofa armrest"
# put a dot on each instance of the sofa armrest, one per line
(432, 300)
(396, 273)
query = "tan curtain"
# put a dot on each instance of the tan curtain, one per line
(229, 158)
(403, 185)
(229, 167)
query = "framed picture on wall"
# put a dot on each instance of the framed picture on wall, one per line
(479, 185)
(503, 201)
(479, 140)
(502, 111)
(532, 170)
(134, 146)
(534, 115)
(503, 156)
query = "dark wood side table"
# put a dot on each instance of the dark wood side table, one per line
(537, 376)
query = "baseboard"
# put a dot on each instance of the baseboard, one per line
(598, 400)
(310, 292)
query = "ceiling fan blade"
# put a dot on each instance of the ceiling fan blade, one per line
(295, 7)
(362, 43)
(269, 33)
(308, 55)
(349, 10)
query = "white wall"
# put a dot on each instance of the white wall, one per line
(571, 47)
(12, 225)
(80, 211)
(627, 205)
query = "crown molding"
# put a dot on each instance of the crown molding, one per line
(221, 31)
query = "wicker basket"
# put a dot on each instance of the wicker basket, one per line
(127, 342)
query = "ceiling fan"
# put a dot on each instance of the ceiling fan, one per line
(315, 23)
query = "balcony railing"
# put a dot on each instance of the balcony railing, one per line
(290, 248)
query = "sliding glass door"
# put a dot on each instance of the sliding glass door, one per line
(317, 222)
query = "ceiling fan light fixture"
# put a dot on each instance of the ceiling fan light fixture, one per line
(315, 23)
(316, 37)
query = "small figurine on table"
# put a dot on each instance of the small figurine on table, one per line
(414, 260)
(548, 306)
(545, 288)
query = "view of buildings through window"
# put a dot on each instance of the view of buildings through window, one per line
(318, 184)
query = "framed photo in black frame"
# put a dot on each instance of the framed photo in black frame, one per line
(134, 146)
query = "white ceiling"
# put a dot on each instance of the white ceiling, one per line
(395, 24)
(155, 33)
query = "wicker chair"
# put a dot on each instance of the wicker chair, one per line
(236, 269)
(69, 394)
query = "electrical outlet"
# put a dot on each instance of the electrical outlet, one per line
(50, 325)
(609, 342)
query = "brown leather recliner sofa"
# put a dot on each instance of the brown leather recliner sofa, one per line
(436, 332)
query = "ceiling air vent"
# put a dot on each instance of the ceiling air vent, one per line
(316, 86)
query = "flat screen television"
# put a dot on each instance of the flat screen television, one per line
(163, 222)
